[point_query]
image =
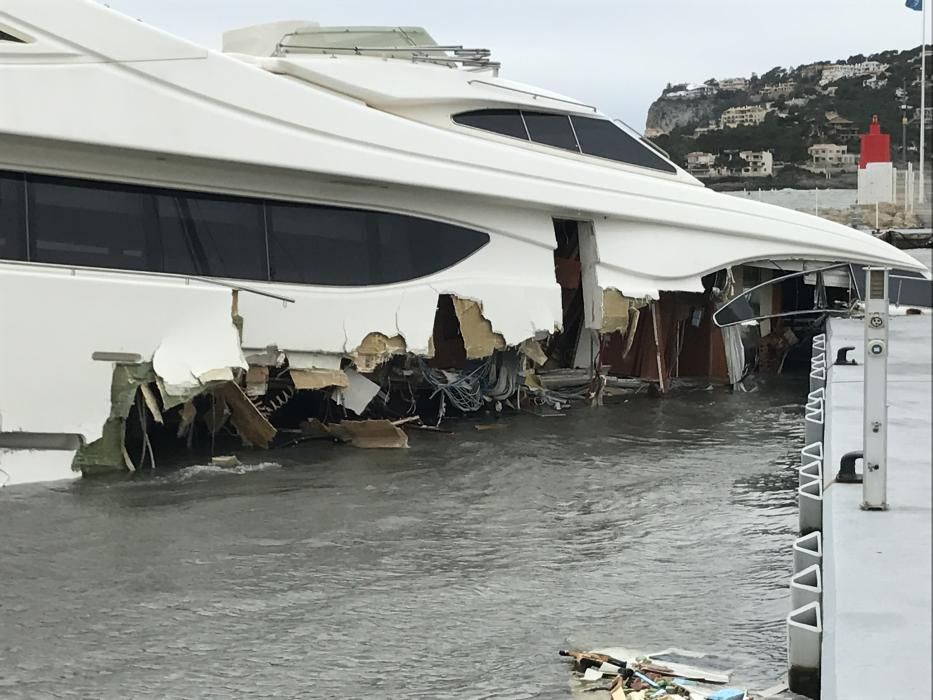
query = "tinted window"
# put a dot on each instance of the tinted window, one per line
(319, 245)
(507, 122)
(212, 236)
(602, 138)
(127, 227)
(12, 217)
(550, 129)
(89, 224)
(348, 247)
(411, 247)
(9, 37)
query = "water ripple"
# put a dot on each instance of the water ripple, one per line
(454, 569)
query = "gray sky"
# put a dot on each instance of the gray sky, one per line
(617, 54)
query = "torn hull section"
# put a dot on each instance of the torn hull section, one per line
(159, 368)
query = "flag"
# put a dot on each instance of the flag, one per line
(914, 4)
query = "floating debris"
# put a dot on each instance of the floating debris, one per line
(225, 461)
(631, 675)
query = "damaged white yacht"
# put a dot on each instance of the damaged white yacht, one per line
(192, 239)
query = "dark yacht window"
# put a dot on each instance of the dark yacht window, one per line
(350, 247)
(129, 227)
(9, 37)
(507, 122)
(602, 138)
(593, 136)
(212, 236)
(413, 247)
(88, 224)
(12, 217)
(550, 129)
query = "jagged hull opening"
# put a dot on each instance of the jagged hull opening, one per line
(562, 346)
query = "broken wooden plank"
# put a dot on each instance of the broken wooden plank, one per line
(311, 379)
(376, 349)
(252, 426)
(616, 311)
(660, 345)
(369, 434)
(531, 348)
(313, 429)
(479, 339)
(151, 403)
(188, 414)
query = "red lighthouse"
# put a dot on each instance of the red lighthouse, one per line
(875, 147)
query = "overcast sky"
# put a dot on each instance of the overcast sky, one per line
(617, 54)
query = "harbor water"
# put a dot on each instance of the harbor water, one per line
(454, 569)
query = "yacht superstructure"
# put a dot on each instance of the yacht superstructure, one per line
(175, 219)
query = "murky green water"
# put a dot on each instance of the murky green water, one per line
(454, 569)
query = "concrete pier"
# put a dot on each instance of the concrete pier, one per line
(877, 564)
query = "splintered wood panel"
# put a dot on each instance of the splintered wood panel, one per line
(252, 426)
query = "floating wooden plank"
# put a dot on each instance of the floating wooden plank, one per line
(369, 434)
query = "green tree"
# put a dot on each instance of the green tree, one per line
(775, 75)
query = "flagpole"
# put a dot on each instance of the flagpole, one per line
(923, 96)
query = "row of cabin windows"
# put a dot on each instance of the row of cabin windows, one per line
(97, 224)
(587, 135)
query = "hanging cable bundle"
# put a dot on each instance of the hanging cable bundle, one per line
(501, 380)
(464, 391)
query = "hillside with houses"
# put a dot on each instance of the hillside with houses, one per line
(791, 127)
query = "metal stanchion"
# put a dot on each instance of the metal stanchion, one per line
(875, 426)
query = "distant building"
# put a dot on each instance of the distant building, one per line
(711, 125)
(831, 156)
(692, 92)
(776, 90)
(733, 84)
(700, 164)
(731, 163)
(760, 163)
(748, 115)
(833, 73)
(839, 128)
(875, 82)
(653, 133)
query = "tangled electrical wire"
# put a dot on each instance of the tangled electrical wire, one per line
(462, 390)
(495, 379)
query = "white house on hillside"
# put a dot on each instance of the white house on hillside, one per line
(692, 92)
(875, 82)
(831, 156)
(772, 92)
(701, 164)
(752, 164)
(748, 115)
(834, 73)
(760, 163)
(733, 84)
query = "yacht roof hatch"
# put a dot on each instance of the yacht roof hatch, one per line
(407, 43)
